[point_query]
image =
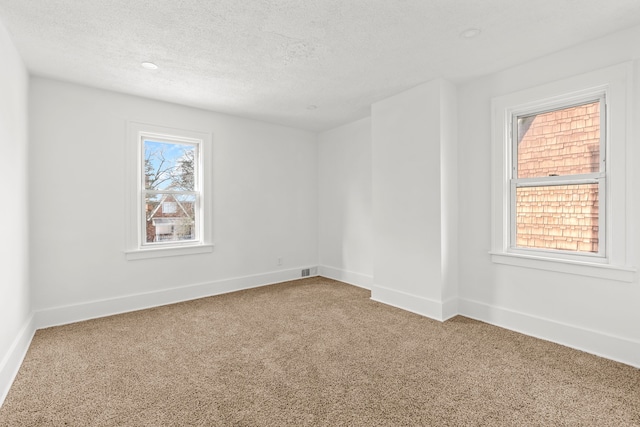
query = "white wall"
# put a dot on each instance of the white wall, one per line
(449, 196)
(406, 191)
(597, 315)
(264, 196)
(15, 311)
(344, 223)
(414, 257)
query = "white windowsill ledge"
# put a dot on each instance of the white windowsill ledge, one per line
(601, 271)
(167, 252)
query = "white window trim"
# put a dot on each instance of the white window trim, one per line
(615, 83)
(135, 249)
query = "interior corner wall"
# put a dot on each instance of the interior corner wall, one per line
(449, 238)
(345, 218)
(16, 329)
(596, 315)
(265, 205)
(407, 174)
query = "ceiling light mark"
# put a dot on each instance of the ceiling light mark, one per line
(470, 33)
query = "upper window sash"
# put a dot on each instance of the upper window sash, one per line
(165, 139)
(591, 97)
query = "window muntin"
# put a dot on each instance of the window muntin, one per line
(559, 178)
(170, 190)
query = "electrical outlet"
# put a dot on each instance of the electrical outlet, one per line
(279, 260)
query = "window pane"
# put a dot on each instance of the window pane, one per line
(560, 142)
(169, 166)
(170, 217)
(558, 217)
(169, 207)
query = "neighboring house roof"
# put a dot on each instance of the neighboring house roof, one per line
(164, 199)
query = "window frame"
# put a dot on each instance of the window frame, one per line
(615, 84)
(136, 245)
(599, 177)
(196, 192)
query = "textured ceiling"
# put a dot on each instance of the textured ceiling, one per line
(271, 59)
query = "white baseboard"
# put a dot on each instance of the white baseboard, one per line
(416, 304)
(94, 309)
(12, 360)
(601, 344)
(449, 309)
(350, 277)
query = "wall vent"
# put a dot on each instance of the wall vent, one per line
(305, 272)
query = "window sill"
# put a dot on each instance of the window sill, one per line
(137, 254)
(601, 271)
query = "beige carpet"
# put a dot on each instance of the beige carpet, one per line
(309, 352)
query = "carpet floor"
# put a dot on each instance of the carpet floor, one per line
(309, 352)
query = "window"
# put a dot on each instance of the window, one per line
(559, 180)
(558, 177)
(169, 208)
(170, 190)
